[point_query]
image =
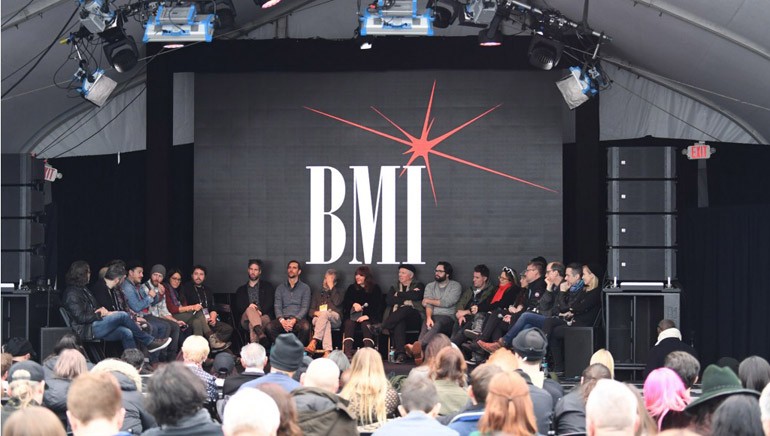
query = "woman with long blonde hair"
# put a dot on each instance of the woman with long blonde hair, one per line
(70, 363)
(509, 408)
(371, 397)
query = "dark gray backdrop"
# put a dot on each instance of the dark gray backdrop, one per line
(254, 140)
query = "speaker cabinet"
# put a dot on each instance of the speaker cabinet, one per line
(578, 349)
(641, 196)
(641, 264)
(641, 230)
(641, 162)
(49, 336)
(23, 315)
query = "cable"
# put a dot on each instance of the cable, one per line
(41, 56)
(5, 20)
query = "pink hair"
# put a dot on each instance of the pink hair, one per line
(664, 391)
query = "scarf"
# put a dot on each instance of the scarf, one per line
(499, 293)
(577, 287)
(669, 333)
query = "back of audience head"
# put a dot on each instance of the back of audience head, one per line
(685, 365)
(504, 359)
(195, 349)
(20, 349)
(646, 424)
(95, 398)
(481, 377)
(367, 385)
(133, 357)
(729, 362)
(737, 415)
(69, 341)
(419, 394)
(436, 344)
(288, 411)
(592, 374)
(7, 361)
(26, 383)
(764, 407)
(240, 420)
(253, 356)
(120, 367)
(664, 392)
(604, 357)
(322, 374)
(754, 373)
(719, 383)
(70, 364)
(174, 392)
(450, 365)
(342, 361)
(33, 421)
(508, 408)
(611, 395)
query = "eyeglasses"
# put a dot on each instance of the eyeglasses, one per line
(531, 269)
(439, 271)
(176, 279)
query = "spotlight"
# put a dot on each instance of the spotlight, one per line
(95, 87)
(576, 87)
(544, 53)
(223, 9)
(95, 15)
(443, 17)
(122, 54)
(490, 37)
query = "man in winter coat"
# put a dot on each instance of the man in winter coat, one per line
(321, 411)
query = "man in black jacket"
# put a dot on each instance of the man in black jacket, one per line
(404, 308)
(254, 306)
(320, 410)
(253, 359)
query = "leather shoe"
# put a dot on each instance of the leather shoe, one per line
(400, 358)
(471, 334)
(311, 347)
(375, 329)
(489, 347)
(417, 353)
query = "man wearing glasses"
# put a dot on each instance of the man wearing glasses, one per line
(439, 301)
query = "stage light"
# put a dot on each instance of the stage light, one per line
(95, 87)
(544, 52)
(223, 9)
(95, 15)
(442, 17)
(119, 48)
(490, 37)
(179, 24)
(576, 87)
(395, 17)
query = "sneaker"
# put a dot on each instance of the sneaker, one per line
(400, 358)
(472, 334)
(216, 344)
(158, 344)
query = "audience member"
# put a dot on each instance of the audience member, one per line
(94, 407)
(466, 421)
(605, 358)
(737, 416)
(292, 303)
(223, 367)
(669, 340)
(647, 425)
(197, 293)
(26, 384)
(729, 362)
(764, 406)
(253, 360)
(342, 361)
(33, 421)
(615, 396)
(685, 365)
(68, 341)
(508, 407)
(20, 349)
(254, 305)
(6, 362)
(135, 358)
(240, 420)
(718, 384)
(504, 359)
(195, 350)
(320, 410)
(69, 364)
(285, 358)
(176, 398)
(361, 308)
(754, 373)
(404, 309)
(326, 310)
(569, 415)
(665, 397)
(436, 344)
(448, 374)
(439, 300)
(136, 418)
(419, 408)
(288, 425)
(371, 397)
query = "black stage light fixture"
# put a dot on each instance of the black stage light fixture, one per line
(224, 11)
(442, 17)
(491, 36)
(122, 54)
(544, 52)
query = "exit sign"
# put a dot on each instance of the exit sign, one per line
(698, 151)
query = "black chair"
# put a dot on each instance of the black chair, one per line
(94, 347)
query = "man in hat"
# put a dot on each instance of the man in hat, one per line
(26, 385)
(20, 348)
(403, 310)
(669, 340)
(530, 347)
(285, 358)
(159, 310)
(611, 409)
(718, 384)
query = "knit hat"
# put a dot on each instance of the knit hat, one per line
(408, 266)
(530, 344)
(158, 269)
(26, 370)
(719, 382)
(286, 353)
(17, 347)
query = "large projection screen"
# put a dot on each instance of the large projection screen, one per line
(329, 169)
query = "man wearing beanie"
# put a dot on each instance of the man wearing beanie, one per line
(159, 310)
(285, 358)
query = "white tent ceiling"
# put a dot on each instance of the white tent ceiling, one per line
(689, 69)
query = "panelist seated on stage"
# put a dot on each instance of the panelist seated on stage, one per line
(326, 310)
(362, 307)
(403, 309)
(254, 305)
(191, 314)
(195, 292)
(467, 315)
(292, 303)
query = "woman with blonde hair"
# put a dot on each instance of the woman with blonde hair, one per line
(137, 419)
(371, 397)
(509, 408)
(70, 363)
(448, 374)
(25, 388)
(605, 358)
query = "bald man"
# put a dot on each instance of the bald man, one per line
(321, 411)
(610, 395)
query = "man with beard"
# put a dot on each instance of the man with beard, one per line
(254, 306)
(292, 303)
(195, 292)
(139, 302)
(439, 301)
(159, 310)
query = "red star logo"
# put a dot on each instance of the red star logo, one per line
(423, 147)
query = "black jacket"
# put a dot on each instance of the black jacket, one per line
(80, 304)
(266, 300)
(414, 293)
(657, 356)
(569, 415)
(202, 295)
(357, 294)
(323, 413)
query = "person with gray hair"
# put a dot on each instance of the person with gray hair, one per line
(320, 410)
(764, 408)
(611, 410)
(239, 417)
(419, 409)
(326, 310)
(253, 360)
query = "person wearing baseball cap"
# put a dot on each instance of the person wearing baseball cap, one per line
(20, 348)
(26, 386)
